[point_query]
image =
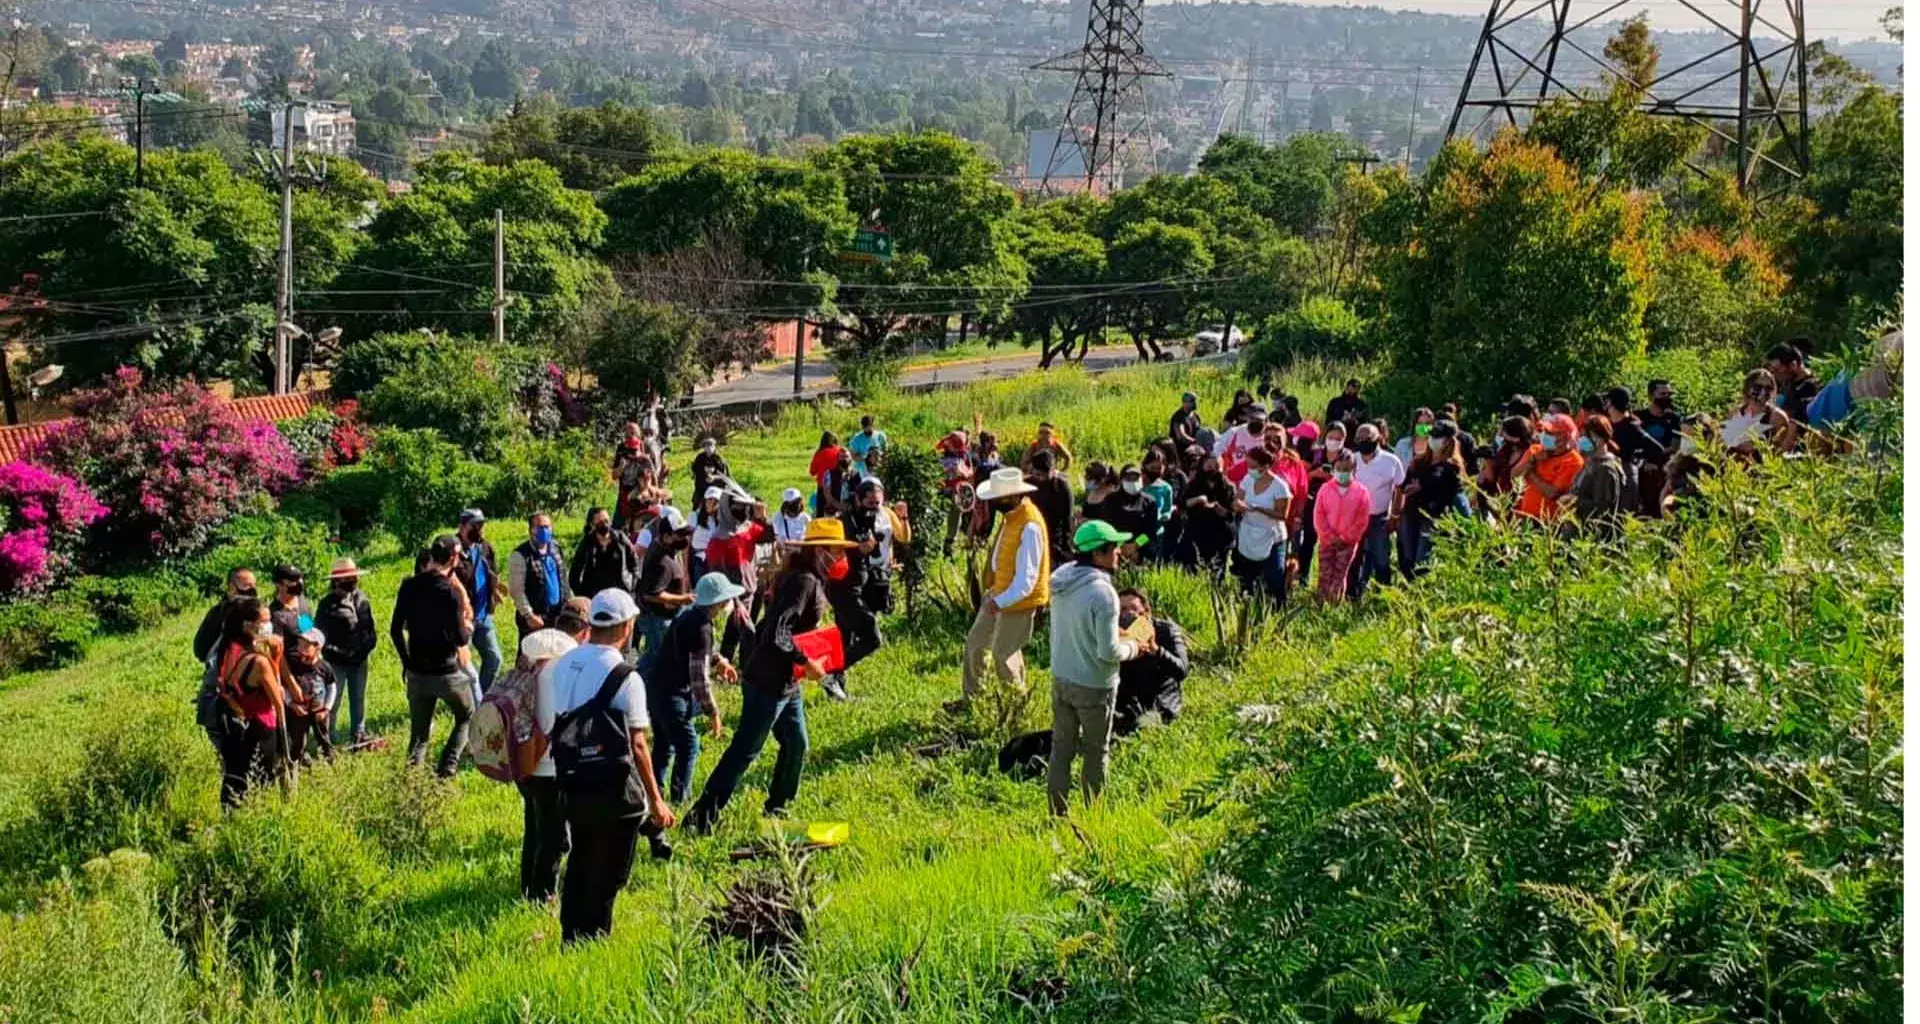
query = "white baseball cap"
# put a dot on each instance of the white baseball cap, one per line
(546, 645)
(671, 518)
(714, 493)
(611, 607)
(790, 494)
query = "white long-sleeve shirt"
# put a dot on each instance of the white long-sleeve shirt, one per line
(1026, 567)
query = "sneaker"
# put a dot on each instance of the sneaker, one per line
(835, 685)
(659, 848)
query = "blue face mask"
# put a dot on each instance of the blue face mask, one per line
(543, 535)
(1549, 442)
(1586, 446)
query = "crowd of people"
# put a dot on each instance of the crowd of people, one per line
(623, 641)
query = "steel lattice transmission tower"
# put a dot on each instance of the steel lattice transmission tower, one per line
(1749, 91)
(1111, 70)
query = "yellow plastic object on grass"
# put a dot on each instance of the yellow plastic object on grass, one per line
(822, 833)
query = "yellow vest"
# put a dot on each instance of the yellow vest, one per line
(1006, 552)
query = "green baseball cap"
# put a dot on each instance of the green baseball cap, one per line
(1098, 533)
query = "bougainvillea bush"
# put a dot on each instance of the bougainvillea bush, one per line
(170, 463)
(43, 519)
(326, 439)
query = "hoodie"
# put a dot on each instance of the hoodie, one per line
(1087, 649)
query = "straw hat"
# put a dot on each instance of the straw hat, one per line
(1004, 483)
(826, 533)
(344, 569)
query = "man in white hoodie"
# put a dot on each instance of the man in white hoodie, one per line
(1087, 652)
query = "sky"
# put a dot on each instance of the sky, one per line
(1826, 19)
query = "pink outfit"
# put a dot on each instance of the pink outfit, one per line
(1340, 514)
(1294, 472)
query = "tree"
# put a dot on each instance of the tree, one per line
(1516, 276)
(174, 47)
(435, 244)
(1605, 135)
(496, 75)
(1152, 250)
(592, 147)
(69, 72)
(638, 349)
(1320, 118)
(1634, 55)
(949, 223)
(1067, 272)
(1846, 250)
(1291, 185)
(278, 64)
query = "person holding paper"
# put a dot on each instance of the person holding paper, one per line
(770, 700)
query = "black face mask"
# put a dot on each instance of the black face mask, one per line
(1127, 619)
(1663, 402)
(602, 529)
(247, 592)
(346, 586)
(296, 588)
(1367, 447)
(791, 508)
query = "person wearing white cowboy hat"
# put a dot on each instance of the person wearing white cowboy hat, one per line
(345, 618)
(770, 695)
(1013, 587)
(680, 686)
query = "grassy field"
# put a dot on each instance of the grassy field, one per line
(376, 894)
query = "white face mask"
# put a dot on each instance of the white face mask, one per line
(1130, 486)
(1334, 445)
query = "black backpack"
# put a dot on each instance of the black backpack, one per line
(593, 750)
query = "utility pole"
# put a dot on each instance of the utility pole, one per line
(1413, 117)
(140, 134)
(800, 332)
(499, 277)
(283, 302)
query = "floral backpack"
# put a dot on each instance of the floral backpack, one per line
(504, 736)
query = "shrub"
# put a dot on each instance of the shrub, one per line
(44, 632)
(325, 439)
(1321, 327)
(638, 348)
(424, 483)
(136, 784)
(867, 376)
(547, 475)
(459, 394)
(365, 364)
(43, 517)
(171, 464)
(1532, 793)
(260, 543)
(94, 949)
(125, 604)
(352, 498)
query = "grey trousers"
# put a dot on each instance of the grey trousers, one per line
(424, 694)
(1082, 725)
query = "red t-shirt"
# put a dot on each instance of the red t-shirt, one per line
(736, 550)
(823, 460)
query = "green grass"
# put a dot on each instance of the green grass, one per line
(946, 888)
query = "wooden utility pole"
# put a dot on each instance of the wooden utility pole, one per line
(499, 277)
(283, 301)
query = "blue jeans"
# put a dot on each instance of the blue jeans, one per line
(1375, 561)
(486, 643)
(648, 633)
(761, 714)
(350, 680)
(676, 741)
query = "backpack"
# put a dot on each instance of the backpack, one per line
(592, 749)
(504, 735)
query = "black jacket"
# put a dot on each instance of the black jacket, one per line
(208, 635)
(1153, 682)
(596, 568)
(347, 620)
(427, 631)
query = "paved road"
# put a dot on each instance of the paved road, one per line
(766, 385)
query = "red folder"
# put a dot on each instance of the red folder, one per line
(823, 645)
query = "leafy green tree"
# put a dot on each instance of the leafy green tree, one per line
(640, 349)
(1067, 272)
(435, 245)
(496, 75)
(1152, 250)
(1516, 276)
(1291, 185)
(592, 147)
(1846, 251)
(176, 278)
(69, 72)
(949, 222)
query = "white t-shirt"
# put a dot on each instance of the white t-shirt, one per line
(1258, 534)
(790, 529)
(572, 679)
(1380, 477)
